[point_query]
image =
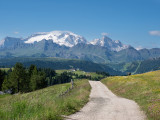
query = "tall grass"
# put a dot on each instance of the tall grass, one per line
(45, 104)
(142, 88)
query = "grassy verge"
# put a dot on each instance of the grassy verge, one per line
(142, 88)
(45, 104)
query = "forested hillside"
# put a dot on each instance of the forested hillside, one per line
(58, 63)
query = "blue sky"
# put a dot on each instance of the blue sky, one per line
(134, 22)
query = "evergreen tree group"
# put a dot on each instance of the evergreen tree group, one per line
(21, 79)
(2, 76)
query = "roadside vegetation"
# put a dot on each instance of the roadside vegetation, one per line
(142, 88)
(45, 104)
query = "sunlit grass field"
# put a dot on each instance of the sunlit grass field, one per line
(79, 72)
(45, 104)
(142, 88)
(61, 71)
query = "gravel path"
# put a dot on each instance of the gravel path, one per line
(104, 105)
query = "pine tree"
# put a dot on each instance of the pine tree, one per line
(31, 68)
(17, 79)
(33, 79)
(2, 76)
(37, 80)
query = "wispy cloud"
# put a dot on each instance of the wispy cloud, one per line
(105, 34)
(139, 48)
(154, 33)
(16, 32)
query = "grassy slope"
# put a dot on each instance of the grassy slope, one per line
(45, 104)
(142, 88)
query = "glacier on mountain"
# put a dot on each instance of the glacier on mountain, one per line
(66, 38)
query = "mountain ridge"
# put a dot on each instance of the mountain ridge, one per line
(98, 53)
(114, 45)
(70, 39)
(66, 38)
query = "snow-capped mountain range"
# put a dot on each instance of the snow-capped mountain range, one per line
(70, 39)
(65, 44)
(114, 45)
(66, 38)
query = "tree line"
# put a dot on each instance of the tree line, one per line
(27, 79)
(21, 79)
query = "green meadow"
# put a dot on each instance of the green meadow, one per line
(142, 88)
(45, 104)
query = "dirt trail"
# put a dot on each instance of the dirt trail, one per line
(104, 105)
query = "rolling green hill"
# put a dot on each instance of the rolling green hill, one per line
(45, 104)
(137, 67)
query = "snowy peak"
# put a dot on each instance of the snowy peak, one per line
(66, 38)
(2, 42)
(102, 42)
(114, 45)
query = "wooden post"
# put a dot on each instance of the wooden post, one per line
(72, 83)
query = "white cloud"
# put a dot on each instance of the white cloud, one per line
(139, 48)
(105, 34)
(16, 32)
(154, 33)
